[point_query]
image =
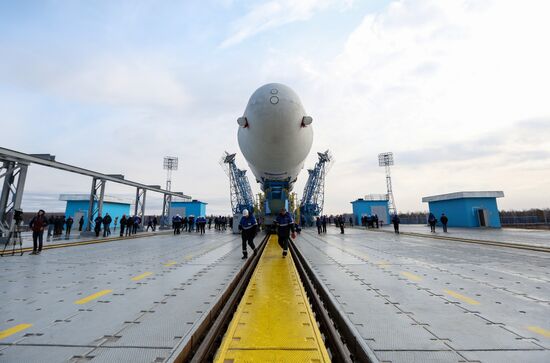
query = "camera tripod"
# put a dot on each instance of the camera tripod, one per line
(14, 236)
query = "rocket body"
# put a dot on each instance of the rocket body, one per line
(275, 134)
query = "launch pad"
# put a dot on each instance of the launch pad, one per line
(410, 298)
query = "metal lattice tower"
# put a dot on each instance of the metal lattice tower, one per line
(314, 191)
(386, 160)
(239, 186)
(170, 163)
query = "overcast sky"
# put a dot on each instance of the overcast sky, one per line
(458, 90)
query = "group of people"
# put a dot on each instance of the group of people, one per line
(190, 224)
(432, 221)
(152, 224)
(58, 224)
(321, 224)
(220, 222)
(129, 225)
(371, 221)
(55, 225)
(249, 228)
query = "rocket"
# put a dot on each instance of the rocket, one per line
(275, 134)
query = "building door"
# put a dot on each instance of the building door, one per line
(482, 217)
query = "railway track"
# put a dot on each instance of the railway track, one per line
(341, 339)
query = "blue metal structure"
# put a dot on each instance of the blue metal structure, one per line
(314, 192)
(241, 193)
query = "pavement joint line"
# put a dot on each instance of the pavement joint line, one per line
(467, 299)
(95, 241)
(13, 330)
(477, 241)
(461, 297)
(538, 330)
(92, 297)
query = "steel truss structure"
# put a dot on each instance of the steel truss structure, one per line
(313, 198)
(386, 160)
(13, 171)
(239, 186)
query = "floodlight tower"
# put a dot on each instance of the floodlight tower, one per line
(386, 160)
(170, 163)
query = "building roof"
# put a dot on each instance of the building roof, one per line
(372, 198)
(188, 202)
(86, 198)
(463, 195)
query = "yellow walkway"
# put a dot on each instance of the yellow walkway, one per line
(274, 322)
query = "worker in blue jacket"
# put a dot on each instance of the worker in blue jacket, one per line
(285, 224)
(248, 227)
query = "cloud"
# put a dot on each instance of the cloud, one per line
(122, 80)
(275, 13)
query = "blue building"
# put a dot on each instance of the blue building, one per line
(77, 206)
(371, 205)
(467, 209)
(185, 209)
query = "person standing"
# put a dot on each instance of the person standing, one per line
(116, 222)
(201, 224)
(444, 220)
(341, 223)
(176, 223)
(122, 225)
(319, 225)
(51, 225)
(324, 223)
(432, 221)
(191, 223)
(80, 223)
(210, 222)
(149, 224)
(395, 220)
(155, 222)
(285, 224)
(129, 225)
(249, 228)
(68, 225)
(137, 223)
(107, 225)
(37, 224)
(97, 228)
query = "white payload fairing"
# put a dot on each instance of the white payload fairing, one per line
(275, 134)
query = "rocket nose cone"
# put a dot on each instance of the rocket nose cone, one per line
(276, 105)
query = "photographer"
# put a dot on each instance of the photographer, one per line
(37, 225)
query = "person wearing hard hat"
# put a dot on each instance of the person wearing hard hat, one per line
(248, 227)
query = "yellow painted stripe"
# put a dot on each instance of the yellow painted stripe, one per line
(274, 321)
(539, 330)
(93, 297)
(382, 264)
(142, 276)
(411, 276)
(171, 263)
(16, 329)
(188, 257)
(461, 297)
